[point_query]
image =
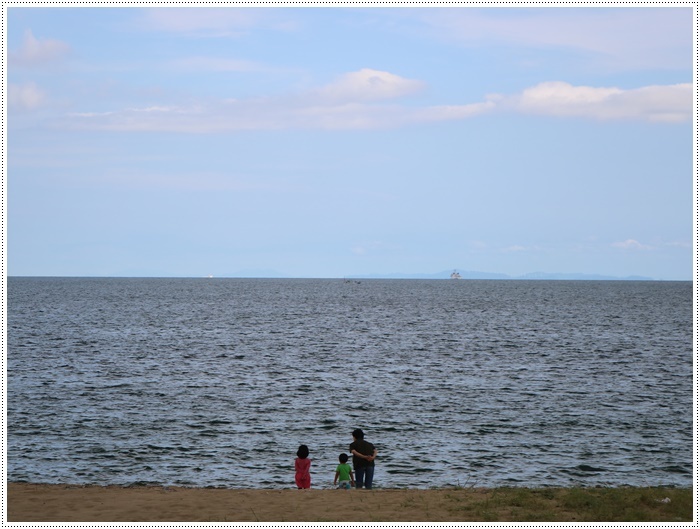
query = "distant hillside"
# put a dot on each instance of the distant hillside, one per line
(589, 277)
(471, 274)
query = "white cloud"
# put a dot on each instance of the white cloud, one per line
(517, 248)
(671, 103)
(270, 114)
(210, 21)
(359, 250)
(189, 20)
(451, 112)
(357, 100)
(631, 244)
(26, 96)
(366, 99)
(680, 244)
(36, 52)
(369, 85)
(215, 64)
(622, 38)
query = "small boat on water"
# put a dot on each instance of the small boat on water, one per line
(455, 275)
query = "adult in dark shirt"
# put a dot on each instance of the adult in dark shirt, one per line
(363, 456)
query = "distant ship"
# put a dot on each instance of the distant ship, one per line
(455, 275)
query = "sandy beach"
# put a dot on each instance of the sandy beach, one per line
(74, 503)
(65, 503)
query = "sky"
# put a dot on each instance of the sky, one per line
(336, 142)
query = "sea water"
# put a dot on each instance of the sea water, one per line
(216, 382)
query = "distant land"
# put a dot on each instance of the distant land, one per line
(465, 274)
(471, 274)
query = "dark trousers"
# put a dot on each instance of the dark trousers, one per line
(364, 476)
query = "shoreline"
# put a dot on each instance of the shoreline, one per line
(37, 502)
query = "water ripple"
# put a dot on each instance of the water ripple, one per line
(217, 382)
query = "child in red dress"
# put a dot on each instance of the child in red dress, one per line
(302, 464)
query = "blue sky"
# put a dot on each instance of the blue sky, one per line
(331, 142)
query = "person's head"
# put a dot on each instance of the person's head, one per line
(303, 452)
(358, 434)
(343, 458)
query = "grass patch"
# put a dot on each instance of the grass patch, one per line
(578, 504)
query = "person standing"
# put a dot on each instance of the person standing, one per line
(302, 466)
(343, 472)
(363, 456)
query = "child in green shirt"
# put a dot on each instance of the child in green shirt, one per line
(343, 474)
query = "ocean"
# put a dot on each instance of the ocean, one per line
(216, 382)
